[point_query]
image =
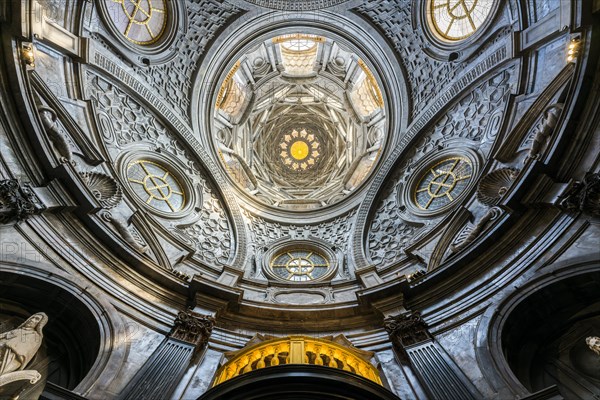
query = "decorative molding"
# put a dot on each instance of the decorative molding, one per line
(193, 328)
(104, 188)
(18, 201)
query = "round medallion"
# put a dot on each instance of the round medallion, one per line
(300, 265)
(299, 150)
(156, 186)
(142, 22)
(442, 183)
(454, 20)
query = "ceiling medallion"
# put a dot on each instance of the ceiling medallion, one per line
(299, 121)
(299, 150)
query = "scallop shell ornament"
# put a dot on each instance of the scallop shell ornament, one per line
(494, 185)
(104, 188)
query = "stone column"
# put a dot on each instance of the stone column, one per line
(437, 372)
(161, 374)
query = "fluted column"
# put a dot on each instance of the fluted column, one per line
(161, 374)
(437, 372)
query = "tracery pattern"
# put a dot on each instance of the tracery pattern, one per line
(125, 122)
(475, 117)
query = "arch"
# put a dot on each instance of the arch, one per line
(501, 339)
(86, 330)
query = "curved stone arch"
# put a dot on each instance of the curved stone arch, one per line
(213, 175)
(292, 5)
(488, 336)
(111, 329)
(419, 127)
(220, 58)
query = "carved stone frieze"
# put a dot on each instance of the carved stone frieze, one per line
(295, 5)
(584, 196)
(125, 122)
(17, 201)
(193, 328)
(475, 118)
(406, 330)
(494, 185)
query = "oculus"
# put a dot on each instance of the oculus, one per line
(442, 183)
(299, 121)
(299, 150)
(156, 186)
(301, 265)
(453, 20)
(142, 22)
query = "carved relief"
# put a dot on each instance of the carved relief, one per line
(593, 343)
(584, 196)
(336, 232)
(392, 227)
(427, 76)
(125, 122)
(469, 235)
(17, 202)
(193, 328)
(543, 130)
(494, 185)
(104, 188)
(173, 80)
(17, 348)
(405, 330)
(122, 227)
(55, 134)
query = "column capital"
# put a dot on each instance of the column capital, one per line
(193, 328)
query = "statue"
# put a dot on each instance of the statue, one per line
(18, 347)
(594, 344)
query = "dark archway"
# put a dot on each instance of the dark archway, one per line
(72, 336)
(298, 382)
(543, 337)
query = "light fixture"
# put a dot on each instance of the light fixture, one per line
(573, 49)
(27, 54)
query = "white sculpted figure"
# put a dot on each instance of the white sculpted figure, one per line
(18, 347)
(594, 343)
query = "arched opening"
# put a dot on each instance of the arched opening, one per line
(71, 337)
(544, 337)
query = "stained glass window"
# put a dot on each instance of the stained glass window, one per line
(458, 19)
(300, 265)
(156, 186)
(442, 183)
(141, 21)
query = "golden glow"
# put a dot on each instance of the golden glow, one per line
(297, 350)
(457, 19)
(299, 150)
(442, 183)
(141, 21)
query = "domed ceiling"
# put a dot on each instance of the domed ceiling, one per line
(299, 122)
